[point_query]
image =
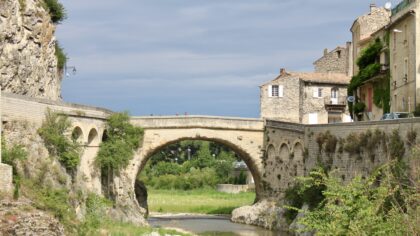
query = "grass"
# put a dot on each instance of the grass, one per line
(203, 201)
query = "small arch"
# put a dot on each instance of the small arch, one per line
(77, 135)
(93, 137)
(271, 151)
(298, 158)
(284, 152)
(105, 136)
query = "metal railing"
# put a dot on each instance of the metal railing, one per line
(335, 101)
(403, 4)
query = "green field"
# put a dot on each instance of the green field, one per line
(204, 201)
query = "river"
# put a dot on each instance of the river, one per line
(209, 225)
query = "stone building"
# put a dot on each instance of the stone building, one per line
(363, 28)
(404, 48)
(305, 97)
(336, 61)
(399, 30)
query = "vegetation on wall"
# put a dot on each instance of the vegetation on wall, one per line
(61, 56)
(56, 10)
(11, 156)
(369, 67)
(383, 204)
(53, 132)
(118, 149)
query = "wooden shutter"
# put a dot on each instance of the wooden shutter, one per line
(270, 91)
(281, 91)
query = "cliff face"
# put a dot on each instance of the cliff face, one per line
(28, 65)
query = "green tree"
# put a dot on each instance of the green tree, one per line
(118, 149)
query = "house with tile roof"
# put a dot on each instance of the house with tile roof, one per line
(306, 97)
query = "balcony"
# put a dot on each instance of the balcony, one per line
(335, 104)
(403, 4)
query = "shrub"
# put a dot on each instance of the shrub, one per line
(11, 156)
(53, 131)
(56, 10)
(118, 149)
(61, 56)
(359, 107)
(377, 205)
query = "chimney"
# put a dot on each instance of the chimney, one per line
(282, 71)
(325, 51)
(372, 7)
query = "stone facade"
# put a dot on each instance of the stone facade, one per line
(362, 29)
(28, 65)
(404, 47)
(335, 61)
(315, 98)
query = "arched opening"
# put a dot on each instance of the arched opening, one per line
(298, 159)
(93, 138)
(284, 153)
(105, 136)
(77, 135)
(196, 164)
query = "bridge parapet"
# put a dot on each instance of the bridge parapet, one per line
(209, 122)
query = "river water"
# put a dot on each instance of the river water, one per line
(209, 225)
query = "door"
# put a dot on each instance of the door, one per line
(370, 99)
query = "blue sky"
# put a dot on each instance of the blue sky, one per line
(165, 57)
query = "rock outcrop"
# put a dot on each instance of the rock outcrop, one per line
(264, 213)
(28, 65)
(21, 218)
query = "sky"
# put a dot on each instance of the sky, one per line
(200, 57)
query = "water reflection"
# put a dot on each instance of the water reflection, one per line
(210, 225)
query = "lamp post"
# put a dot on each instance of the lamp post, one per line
(189, 152)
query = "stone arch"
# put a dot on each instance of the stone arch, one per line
(298, 151)
(284, 152)
(250, 161)
(77, 135)
(93, 137)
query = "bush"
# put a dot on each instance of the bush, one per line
(56, 10)
(378, 205)
(61, 56)
(359, 107)
(53, 131)
(118, 149)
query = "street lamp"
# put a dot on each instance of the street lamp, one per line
(69, 70)
(189, 152)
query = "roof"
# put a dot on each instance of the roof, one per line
(332, 51)
(316, 77)
(372, 21)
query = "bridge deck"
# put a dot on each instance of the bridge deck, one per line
(189, 121)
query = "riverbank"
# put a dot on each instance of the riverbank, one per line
(202, 201)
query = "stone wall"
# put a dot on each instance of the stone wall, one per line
(5, 178)
(28, 65)
(335, 61)
(296, 148)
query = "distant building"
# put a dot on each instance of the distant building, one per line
(365, 30)
(335, 61)
(398, 28)
(309, 98)
(404, 48)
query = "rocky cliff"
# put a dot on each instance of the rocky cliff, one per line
(28, 65)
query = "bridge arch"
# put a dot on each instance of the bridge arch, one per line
(77, 134)
(245, 156)
(93, 137)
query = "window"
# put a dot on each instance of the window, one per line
(405, 69)
(334, 93)
(317, 92)
(275, 91)
(403, 104)
(339, 53)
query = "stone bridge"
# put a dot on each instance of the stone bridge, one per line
(275, 152)
(244, 136)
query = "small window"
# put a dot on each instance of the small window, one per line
(405, 68)
(320, 92)
(317, 92)
(339, 53)
(334, 93)
(274, 90)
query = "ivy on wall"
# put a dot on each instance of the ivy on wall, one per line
(118, 149)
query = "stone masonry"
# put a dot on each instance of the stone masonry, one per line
(335, 61)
